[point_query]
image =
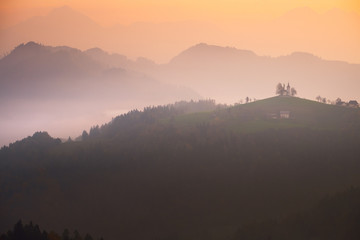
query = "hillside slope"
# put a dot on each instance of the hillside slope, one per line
(185, 171)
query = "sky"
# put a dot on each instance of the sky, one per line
(109, 12)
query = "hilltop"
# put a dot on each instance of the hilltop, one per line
(191, 170)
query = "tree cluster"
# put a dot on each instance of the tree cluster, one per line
(32, 232)
(285, 91)
(322, 99)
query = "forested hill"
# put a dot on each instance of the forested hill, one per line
(257, 116)
(192, 170)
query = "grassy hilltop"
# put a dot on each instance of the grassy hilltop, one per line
(264, 114)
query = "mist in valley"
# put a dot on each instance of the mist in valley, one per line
(64, 90)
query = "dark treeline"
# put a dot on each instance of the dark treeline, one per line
(219, 174)
(150, 115)
(32, 232)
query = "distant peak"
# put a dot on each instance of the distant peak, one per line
(206, 51)
(302, 55)
(36, 48)
(203, 48)
(200, 45)
(32, 44)
(28, 46)
(95, 50)
(207, 47)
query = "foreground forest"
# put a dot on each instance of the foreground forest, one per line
(194, 170)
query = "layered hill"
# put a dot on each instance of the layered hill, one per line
(229, 74)
(32, 65)
(57, 85)
(296, 30)
(191, 170)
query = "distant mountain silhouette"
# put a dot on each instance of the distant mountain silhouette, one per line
(31, 62)
(36, 62)
(117, 60)
(61, 84)
(332, 35)
(203, 52)
(229, 74)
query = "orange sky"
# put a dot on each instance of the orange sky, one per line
(244, 24)
(109, 12)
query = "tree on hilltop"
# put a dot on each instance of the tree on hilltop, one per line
(285, 91)
(280, 90)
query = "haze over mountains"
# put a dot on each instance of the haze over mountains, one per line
(68, 89)
(229, 74)
(332, 35)
(63, 90)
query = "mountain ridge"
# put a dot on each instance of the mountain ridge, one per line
(62, 87)
(129, 40)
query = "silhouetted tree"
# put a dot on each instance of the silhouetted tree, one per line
(84, 135)
(65, 234)
(94, 131)
(280, 89)
(88, 237)
(25, 232)
(32, 232)
(19, 232)
(77, 235)
(293, 92)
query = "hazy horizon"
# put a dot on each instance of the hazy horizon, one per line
(248, 47)
(327, 30)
